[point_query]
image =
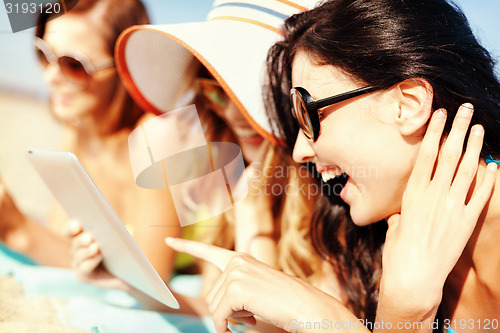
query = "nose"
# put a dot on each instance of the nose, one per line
(303, 151)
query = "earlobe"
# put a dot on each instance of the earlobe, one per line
(414, 101)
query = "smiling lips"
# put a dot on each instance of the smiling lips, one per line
(246, 134)
(62, 99)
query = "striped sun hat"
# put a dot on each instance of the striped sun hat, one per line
(232, 44)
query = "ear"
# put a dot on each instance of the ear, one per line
(414, 101)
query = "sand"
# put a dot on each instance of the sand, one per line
(26, 122)
(19, 313)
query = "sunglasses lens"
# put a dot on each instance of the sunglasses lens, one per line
(42, 58)
(299, 111)
(73, 69)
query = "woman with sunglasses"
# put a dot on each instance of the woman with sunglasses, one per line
(87, 96)
(391, 85)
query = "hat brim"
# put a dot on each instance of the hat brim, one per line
(152, 61)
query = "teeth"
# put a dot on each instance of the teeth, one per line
(245, 132)
(330, 174)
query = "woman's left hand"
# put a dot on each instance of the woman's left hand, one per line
(441, 206)
(248, 287)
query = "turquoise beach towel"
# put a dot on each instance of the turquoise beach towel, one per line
(100, 310)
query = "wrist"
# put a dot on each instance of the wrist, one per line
(324, 313)
(17, 240)
(16, 234)
(412, 300)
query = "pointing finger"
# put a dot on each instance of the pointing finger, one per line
(210, 253)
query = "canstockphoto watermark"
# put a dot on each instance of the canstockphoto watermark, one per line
(327, 325)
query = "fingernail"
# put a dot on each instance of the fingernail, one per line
(477, 130)
(93, 248)
(86, 239)
(169, 240)
(72, 225)
(441, 114)
(467, 107)
(492, 166)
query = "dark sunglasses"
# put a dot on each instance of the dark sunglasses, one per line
(308, 111)
(77, 68)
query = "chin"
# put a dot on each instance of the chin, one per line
(363, 217)
(250, 154)
(62, 115)
(360, 222)
(66, 114)
(59, 112)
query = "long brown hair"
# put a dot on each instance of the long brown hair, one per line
(115, 16)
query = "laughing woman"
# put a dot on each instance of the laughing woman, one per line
(391, 86)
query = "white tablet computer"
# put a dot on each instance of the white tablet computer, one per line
(81, 199)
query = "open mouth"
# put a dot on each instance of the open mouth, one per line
(334, 182)
(330, 172)
(339, 179)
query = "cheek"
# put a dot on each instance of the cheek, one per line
(98, 95)
(378, 199)
(102, 88)
(335, 140)
(384, 185)
(377, 159)
(232, 115)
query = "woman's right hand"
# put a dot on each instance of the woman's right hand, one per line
(87, 259)
(248, 288)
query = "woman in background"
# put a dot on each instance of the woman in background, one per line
(89, 99)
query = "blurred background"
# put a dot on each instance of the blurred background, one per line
(25, 120)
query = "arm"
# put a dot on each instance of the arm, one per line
(153, 217)
(441, 206)
(255, 227)
(29, 237)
